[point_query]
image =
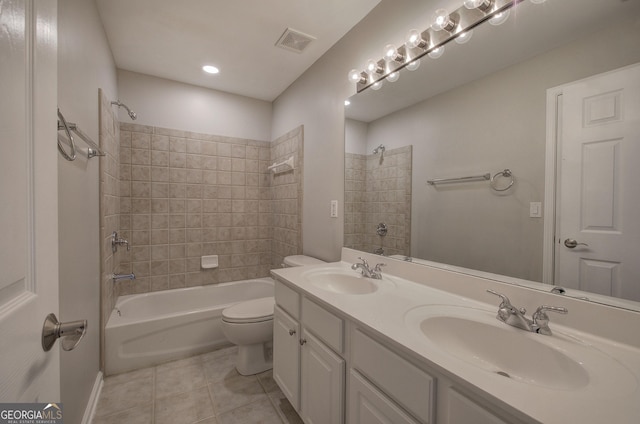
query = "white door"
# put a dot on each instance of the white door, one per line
(598, 199)
(28, 199)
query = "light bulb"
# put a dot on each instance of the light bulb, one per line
(464, 37)
(434, 54)
(372, 66)
(377, 85)
(393, 76)
(356, 76)
(414, 39)
(413, 65)
(391, 53)
(483, 5)
(441, 20)
(347, 102)
(500, 18)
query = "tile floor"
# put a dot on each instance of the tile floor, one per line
(204, 389)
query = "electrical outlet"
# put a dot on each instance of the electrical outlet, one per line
(334, 209)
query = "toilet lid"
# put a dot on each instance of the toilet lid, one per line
(255, 310)
(301, 260)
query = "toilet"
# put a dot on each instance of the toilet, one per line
(249, 325)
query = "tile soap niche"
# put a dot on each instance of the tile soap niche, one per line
(209, 261)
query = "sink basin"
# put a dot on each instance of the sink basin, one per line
(343, 282)
(477, 338)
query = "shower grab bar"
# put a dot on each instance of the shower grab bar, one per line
(482, 177)
(93, 149)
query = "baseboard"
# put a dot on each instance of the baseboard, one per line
(90, 410)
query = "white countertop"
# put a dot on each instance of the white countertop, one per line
(611, 395)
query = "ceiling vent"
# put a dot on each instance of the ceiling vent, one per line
(294, 40)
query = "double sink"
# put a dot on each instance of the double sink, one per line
(475, 339)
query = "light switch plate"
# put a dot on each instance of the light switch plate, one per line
(535, 210)
(334, 209)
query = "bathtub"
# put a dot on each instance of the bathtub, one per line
(151, 328)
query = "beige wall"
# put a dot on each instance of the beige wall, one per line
(84, 65)
(169, 104)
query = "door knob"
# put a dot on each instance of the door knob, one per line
(571, 243)
(70, 332)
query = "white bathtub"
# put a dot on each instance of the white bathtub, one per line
(151, 328)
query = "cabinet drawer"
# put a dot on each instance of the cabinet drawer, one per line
(403, 382)
(368, 405)
(323, 324)
(288, 299)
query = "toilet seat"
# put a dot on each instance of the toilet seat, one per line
(256, 310)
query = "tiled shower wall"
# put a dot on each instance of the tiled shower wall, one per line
(286, 190)
(109, 207)
(184, 195)
(378, 190)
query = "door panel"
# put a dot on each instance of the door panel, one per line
(598, 191)
(28, 189)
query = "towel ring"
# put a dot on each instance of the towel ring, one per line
(507, 174)
(68, 156)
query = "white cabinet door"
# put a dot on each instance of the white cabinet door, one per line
(286, 355)
(463, 410)
(322, 383)
(368, 405)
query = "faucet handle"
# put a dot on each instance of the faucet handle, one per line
(540, 313)
(364, 261)
(379, 266)
(505, 300)
(541, 319)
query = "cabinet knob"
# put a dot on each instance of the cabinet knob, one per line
(292, 332)
(302, 341)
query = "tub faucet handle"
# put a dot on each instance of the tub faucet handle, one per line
(118, 241)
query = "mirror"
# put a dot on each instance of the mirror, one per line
(481, 108)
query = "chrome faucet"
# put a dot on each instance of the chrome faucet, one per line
(365, 269)
(539, 323)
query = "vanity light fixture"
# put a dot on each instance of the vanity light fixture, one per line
(500, 18)
(464, 37)
(414, 40)
(482, 5)
(436, 53)
(442, 21)
(445, 27)
(373, 66)
(392, 53)
(413, 65)
(357, 76)
(210, 69)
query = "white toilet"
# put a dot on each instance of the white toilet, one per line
(249, 325)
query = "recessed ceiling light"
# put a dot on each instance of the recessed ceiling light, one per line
(210, 69)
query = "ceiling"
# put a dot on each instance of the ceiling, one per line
(174, 39)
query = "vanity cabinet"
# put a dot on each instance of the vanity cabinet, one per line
(307, 361)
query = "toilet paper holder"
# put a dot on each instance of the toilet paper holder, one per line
(70, 332)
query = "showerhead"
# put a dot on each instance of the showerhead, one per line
(379, 149)
(131, 113)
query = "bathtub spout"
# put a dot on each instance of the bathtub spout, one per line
(118, 277)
